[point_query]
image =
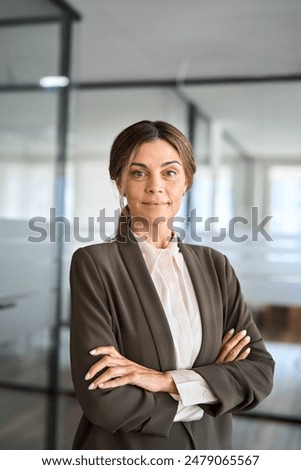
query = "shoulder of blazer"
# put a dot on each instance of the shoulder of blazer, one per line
(205, 254)
(100, 254)
(103, 248)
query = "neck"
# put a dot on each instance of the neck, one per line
(158, 235)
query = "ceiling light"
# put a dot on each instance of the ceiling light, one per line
(54, 82)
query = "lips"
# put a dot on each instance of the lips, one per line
(155, 203)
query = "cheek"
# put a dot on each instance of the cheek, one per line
(179, 191)
(132, 194)
(127, 190)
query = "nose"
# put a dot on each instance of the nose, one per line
(154, 185)
(154, 190)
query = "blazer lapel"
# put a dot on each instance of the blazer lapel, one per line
(149, 299)
(205, 299)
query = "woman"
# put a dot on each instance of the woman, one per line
(163, 346)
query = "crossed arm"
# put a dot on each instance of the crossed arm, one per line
(116, 370)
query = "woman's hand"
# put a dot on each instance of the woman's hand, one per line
(233, 347)
(117, 371)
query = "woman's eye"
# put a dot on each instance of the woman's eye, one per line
(138, 173)
(171, 173)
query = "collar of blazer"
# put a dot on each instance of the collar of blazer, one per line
(152, 305)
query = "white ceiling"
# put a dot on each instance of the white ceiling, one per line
(184, 39)
(151, 39)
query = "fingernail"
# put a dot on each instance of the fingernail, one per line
(87, 376)
(244, 332)
(92, 386)
(232, 331)
(93, 352)
(248, 338)
(248, 350)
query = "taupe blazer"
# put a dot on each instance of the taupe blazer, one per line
(114, 302)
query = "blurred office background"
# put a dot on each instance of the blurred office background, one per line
(228, 74)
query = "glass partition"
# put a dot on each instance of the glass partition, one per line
(28, 150)
(32, 159)
(28, 53)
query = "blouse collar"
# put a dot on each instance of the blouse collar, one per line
(152, 254)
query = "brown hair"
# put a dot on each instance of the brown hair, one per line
(127, 143)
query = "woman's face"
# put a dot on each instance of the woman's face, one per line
(155, 183)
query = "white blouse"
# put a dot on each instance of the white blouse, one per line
(173, 283)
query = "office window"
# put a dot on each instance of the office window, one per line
(285, 199)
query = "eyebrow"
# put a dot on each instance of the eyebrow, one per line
(143, 165)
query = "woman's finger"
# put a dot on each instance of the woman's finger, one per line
(118, 382)
(227, 337)
(234, 341)
(232, 346)
(231, 339)
(105, 350)
(105, 361)
(106, 379)
(237, 350)
(244, 354)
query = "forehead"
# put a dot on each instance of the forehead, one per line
(157, 150)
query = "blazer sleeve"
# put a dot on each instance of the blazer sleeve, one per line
(126, 408)
(239, 385)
